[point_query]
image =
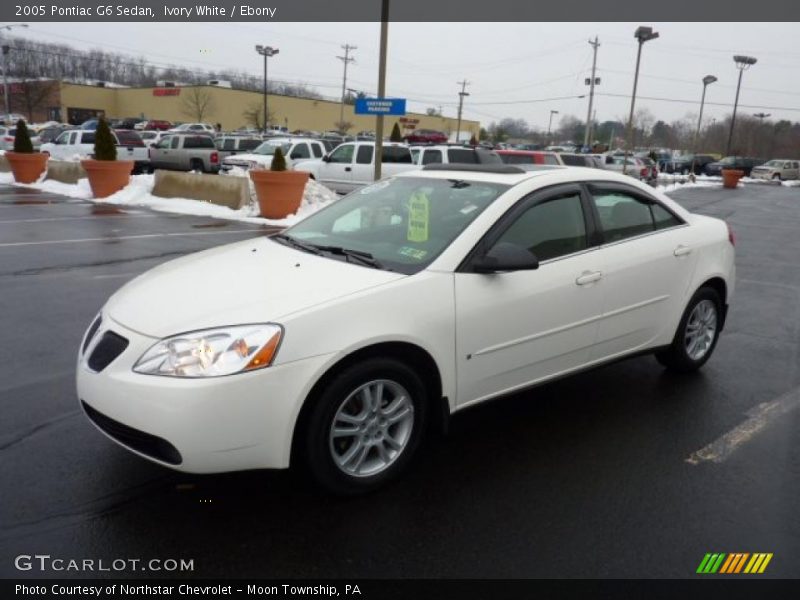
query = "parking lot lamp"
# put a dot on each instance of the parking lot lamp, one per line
(266, 52)
(742, 63)
(5, 69)
(707, 80)
(642, 34)
(550, 122)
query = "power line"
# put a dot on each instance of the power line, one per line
(680, 101)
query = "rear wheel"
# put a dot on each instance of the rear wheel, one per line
(196, 165)
(697, 333)
(365, 426)
(776, 177)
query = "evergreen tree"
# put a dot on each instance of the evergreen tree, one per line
(105, 147)
(278, 161)
(22, 139)
(396, 135)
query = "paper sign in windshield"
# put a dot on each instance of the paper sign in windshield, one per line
(418, 218)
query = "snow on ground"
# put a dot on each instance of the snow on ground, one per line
(138, 193)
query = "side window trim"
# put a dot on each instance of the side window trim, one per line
(631, 191)
(521, 206)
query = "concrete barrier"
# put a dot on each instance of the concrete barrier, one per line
(4, 166)
(65, 171)
(233, 192)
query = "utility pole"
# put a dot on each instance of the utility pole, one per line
(461, 95)
(346, 59)
(761, 116)
(589, 119)
(381, 88)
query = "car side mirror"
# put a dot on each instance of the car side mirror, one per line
(326, 158)
(506, 257)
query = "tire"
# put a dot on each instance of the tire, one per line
(776, 177)
(196, 165)
(364, 460)
(703, 315)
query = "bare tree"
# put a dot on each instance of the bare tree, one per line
(343, 126)
(34, 96)
(197, 103)
(254, 115)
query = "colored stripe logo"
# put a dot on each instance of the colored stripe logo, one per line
(734, 563)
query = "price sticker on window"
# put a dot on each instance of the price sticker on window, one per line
(418, 218)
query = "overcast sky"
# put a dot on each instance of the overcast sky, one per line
(508, 64)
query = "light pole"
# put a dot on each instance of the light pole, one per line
(266, 52)
(5, 69)
(642, 34)
(742, 63)
(550, 123)
(461, 95)
(707, 80)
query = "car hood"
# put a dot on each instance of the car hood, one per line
(253, 281)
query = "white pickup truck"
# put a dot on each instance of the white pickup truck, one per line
(351, 165)
(79, 143)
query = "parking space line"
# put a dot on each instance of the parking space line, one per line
(72, 218)
(760, 417)
(130, 237)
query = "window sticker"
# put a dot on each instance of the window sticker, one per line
(418, 218)
(414, 253)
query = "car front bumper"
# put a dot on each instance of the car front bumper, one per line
(766, 175)
(200, 425)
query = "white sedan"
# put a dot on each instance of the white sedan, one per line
(337, 344)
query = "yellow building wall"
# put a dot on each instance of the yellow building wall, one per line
(228, 106)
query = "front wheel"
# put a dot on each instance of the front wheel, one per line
(697, 333)
(365, 426)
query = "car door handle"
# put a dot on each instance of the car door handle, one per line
(682, 250)
(588, 277)
(348, 169)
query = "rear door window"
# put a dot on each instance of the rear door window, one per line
(364, 155)
(396, 154)
(431, 156)
(462, 155)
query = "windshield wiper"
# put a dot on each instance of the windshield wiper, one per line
(290, 241)
(364, 258)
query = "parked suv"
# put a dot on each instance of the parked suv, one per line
(426, 136)
(632, 166)
(185, 152)
(228, 145)
(294, 149)
(683, 164)
(592, 161)
(740, 163)
(528, 157)
(426, 155)
(779, 168)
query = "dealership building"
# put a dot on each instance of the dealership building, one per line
(45, 100)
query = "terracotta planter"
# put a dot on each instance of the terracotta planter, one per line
(107, 176)
(27, 167)
(279, 193)
(731, 177)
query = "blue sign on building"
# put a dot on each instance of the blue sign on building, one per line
(380, 106)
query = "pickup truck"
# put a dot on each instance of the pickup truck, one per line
(185, 152)
(79, 143)
(294, 149)
(351, 165)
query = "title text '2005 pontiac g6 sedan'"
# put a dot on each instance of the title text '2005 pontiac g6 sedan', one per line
(335, 345)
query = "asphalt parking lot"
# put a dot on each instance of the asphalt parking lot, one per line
(600, 475)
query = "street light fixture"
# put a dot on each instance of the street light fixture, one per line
(266, 52)
(642, 34)
(550, 122)
(5, 69)
(707, 80)
(742, 63)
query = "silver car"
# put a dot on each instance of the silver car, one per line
(778, 169)
(7, 135)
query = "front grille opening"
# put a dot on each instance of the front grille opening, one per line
(149, 445)
(91, 332)
(107, 349)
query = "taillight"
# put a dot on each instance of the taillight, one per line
(8, 139)
(214, 157)
(731, 235)
(644, 172)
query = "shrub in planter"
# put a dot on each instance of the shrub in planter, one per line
(396, 136)
(26, 164)
(279, 191)
(107, 175)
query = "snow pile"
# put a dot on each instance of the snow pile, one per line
(138, 193)
(686, 184)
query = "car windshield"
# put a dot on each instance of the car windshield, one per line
(268, 148)
(728, 160)
(774, 163)
(401, 224)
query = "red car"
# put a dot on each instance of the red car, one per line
(156, 125)
(527, 157)
(426, 136)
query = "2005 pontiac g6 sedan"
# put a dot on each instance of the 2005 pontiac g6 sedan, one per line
(337, 344)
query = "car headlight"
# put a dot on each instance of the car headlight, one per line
(213, 352)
